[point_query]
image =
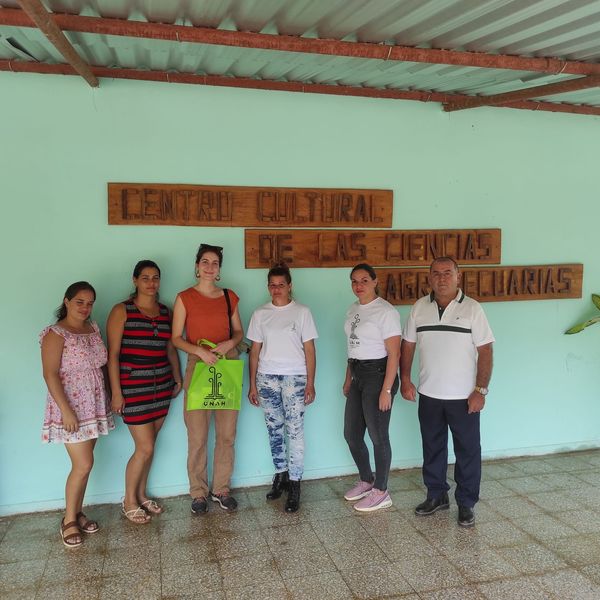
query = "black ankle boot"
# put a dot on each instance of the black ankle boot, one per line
(293, 500)
(280, 483)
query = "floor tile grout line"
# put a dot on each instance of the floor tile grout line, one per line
(338, 570)
(570, 563)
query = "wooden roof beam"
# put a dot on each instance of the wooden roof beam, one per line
(284, 86)
(36, 11)
(287, 43)
(550, 89)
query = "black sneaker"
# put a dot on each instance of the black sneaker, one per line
(226, 502)
(466, 516)
(432, 505)
(199, 505)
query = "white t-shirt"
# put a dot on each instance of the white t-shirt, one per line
(368, 325)
(282, 331)
(447, 345)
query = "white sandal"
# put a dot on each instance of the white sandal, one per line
(135, 514)
(152, 507)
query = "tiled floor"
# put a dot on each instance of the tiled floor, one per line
(537, 536)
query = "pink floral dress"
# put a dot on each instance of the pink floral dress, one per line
(84, 354)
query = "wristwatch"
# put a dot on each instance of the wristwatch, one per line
(482, 390)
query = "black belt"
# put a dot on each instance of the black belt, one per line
(367, 362)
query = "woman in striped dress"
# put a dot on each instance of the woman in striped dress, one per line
(144, 375)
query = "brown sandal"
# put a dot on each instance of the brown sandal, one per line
(68, 539)
(88, 526)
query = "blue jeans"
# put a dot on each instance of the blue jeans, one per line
(282, 400)
(362, 413)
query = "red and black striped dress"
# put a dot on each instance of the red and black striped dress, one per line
(145, 372)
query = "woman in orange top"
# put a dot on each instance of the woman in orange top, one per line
(206, 311)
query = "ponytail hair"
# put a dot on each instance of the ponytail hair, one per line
(70, 293)
(369, 270)
(144, 264)
(280, 269)
(137, 271)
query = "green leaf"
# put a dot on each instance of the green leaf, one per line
(596, 300)
(581, 326)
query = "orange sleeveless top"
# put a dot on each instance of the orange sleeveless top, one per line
(206, 318)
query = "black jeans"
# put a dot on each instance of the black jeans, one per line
(362, 413)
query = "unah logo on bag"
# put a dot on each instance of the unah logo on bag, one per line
(214, 398)
(217, 386)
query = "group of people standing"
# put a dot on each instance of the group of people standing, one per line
(144, 374)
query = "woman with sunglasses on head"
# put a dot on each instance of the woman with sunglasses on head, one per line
(373, 337)
(77, 411)
(144, 374)
(282, 378)
(208, 312)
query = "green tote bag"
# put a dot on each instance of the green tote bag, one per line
(217, 386)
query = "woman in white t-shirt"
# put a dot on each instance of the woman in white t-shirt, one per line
(373, 336)
(282, 378)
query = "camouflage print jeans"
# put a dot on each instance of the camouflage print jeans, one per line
(282, 400)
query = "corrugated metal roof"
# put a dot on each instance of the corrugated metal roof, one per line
(568, 30)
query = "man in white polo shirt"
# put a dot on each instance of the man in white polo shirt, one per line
(455, 356)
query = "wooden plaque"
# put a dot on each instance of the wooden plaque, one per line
(229, 206)
(488, 284)
(342, 248)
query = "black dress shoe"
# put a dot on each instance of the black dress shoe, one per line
(432, 505)
(280, 484)
(292, 503)
(466, 516)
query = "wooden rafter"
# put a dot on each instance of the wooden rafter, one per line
(287, 43)
(42, 19)
(181, 33)
(550, 89)
(284, 86)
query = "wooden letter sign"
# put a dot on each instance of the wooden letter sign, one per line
(220, 206)
(340, 248)
(488, 284)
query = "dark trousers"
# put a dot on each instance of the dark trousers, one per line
(435, 416)
(362, 414)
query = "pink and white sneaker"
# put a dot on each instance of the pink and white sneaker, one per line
(374, 500)
(360, 490)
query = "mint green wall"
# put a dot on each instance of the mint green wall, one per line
(531, 174)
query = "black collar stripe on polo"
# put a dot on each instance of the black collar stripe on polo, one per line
(443, 328)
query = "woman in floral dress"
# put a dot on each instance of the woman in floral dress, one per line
(77, 411)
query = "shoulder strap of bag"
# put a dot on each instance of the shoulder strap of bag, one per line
(228, 300)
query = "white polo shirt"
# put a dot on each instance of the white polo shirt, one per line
(368, 325)
(447, 345)
(282, 331)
